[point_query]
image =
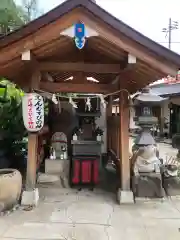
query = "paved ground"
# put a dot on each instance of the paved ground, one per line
(166, 150)
(71, 215)
(66, 214)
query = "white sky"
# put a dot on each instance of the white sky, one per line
(148, 17)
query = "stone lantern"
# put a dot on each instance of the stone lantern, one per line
(144, 103)
(145, 162)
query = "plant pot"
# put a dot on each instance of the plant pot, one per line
(10, 188)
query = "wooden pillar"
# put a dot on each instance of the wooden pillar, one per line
(32, 139)
(109, 106)
(124, 141)
(108, 114)
(31, 161)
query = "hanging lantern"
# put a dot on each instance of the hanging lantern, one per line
(79, 35)
(33, 112)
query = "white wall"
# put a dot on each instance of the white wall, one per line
(165, 107)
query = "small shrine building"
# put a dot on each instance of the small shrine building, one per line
(44, 53)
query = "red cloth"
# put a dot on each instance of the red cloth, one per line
(76, 172)
(86, 171)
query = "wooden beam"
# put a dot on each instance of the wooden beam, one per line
(131, 59)
(49, 77)
(116, 80)
(133, 48)
(32, 65)
(35, 79)
(76, 88)
(26, 56)
(80, 67)
(128, 69)
(42, 36)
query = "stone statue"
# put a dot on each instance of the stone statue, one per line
(146, 172)
(146, 165)
(147, 161)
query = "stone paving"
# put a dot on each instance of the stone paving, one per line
(166, 150)
(72, 215)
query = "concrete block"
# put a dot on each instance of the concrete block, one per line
(125, 196)
(30, 198)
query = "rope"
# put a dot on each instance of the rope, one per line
(84, 97)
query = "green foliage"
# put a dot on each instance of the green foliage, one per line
(12, 131)
(11, 16)
(12, 128)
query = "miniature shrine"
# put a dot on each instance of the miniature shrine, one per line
(86, 144)
(79, 48)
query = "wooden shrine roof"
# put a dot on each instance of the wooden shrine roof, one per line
(115, 40)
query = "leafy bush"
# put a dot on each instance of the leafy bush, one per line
(12, 130)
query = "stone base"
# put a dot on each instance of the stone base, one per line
(47, 178)
(172, 186)
(60, 168)
(30, 198)
(125, 196)
(147, 185)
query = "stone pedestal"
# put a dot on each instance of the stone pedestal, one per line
(172, 186)
(59, 168)
(148, 185)
(30, 197)
(125, 196)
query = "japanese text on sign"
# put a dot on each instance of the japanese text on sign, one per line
(38, 107)
(30, 113)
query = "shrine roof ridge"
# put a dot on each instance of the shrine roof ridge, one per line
(97, 11)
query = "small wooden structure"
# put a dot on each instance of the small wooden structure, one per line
(41, 55)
